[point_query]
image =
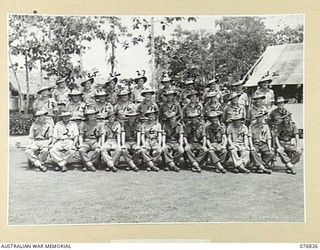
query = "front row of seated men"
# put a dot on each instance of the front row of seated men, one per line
(94, 139)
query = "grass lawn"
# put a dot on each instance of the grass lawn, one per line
(75, 197)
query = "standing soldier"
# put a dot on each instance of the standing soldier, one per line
(90, 140)
(256, 107)
(237, 134)
(88, 92)
(216, 140)
(110, 87)
(75, 104)
(40, 139)
(183, 98)
(260, 142)
(131, 139)
(45, 103)
(170, 105)
(193, 106)
(65, 138)
(243, 97)
(124, 105)
(147, 103)
(62, 91)
(111, 142)
(213, 88)
(276, 114)
(166, 81)
(151, 139)
(101, 105)
(288, 150)
(212, 103)
(172, 141)
(233, 109)
(137, 98)
(266, 91)
(193, 139)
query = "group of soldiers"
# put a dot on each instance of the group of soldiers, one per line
(98, 125)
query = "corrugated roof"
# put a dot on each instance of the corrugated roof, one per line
(283, 62)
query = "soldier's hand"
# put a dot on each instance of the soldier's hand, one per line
(252, 149)
(181, 150)
(205, 149)
(187, 147)
(271, 149)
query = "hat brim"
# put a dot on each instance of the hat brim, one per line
(237, 95)
(108, 115)
(173, 93)
(99, 95)
(94, 113)
(72, 94)
(114, 79)
(131, 114)
(143, 77)
(48, 88)
(91, 80)
(236, 119)
(150, 112)
(122, 94)
(148, 92)
(193, 116)
(210, 116)
(260, 97)
(41, 114)
(64, 115)
(284, 101)
(263, 81)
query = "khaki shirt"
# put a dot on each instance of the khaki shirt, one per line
(62, 131)
(194, 133)
(49, 105)
(76, 107)
(40, 131)
(269, 94)
(259, 133)
(151, 130)
(112, 131)
(238, 135)
(285, 133)
(215, 132)
(61, 94)
(91, 131)
(173, 133)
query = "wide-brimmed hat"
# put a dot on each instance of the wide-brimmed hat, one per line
(90, 111)
(46, 87)
(75, 92)
(265, 79)
(233, 95)
(192, 92)
(40, 113)
(212, 94)
(101, 116)
(131, 112)
(110, 79)
(192, 114)
(110, 113)
(77, 116)
(60, 80)
(90, 80)
(141, 76)
(65, 113)
(147, 91)
(124, 92)
(236, 117)
(260, 114)
(281, 99)
(62, 102)
(170, 114)
(166, 79)
(258, 96)
(213, 114)
(100, 93)
(170, 92)
(150, 110)
(237, 83)
(189, 81)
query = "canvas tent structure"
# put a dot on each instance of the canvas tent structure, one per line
(284, 63)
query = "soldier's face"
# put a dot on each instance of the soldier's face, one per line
(111, 118)
(166, 85)
(124, 98)
(140, 82)
(287, 119)
(173, 120)
(65, 119)
(151, 117)
(235, 100)
(62, 85)
(238, 123)
(45, 93)
(170, 97)
(193, 98)
(75, 98)
(147, 96)
(264, 85)
(281, 105)
(260, 119)
(193, 120)
(214, 120)
(87, 86)
(259, 101)
(92, 117)
(41, 118)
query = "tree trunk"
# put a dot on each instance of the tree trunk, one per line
(18, 84)
(112, 54)
(153, 82)
(41, 73)
(27, 85)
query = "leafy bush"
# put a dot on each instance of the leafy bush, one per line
(20, 123)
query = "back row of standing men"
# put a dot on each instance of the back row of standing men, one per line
(171, 125)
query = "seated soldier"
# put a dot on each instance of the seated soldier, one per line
(151, 140)
(111, 141)
(216, 140)
(90, 140)
(172, 141)
(65, 138)
(193, 137)
(288, 150)
(131, 139)
(260, 142)
(40, 138)
(78, 118)
(237, 134)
